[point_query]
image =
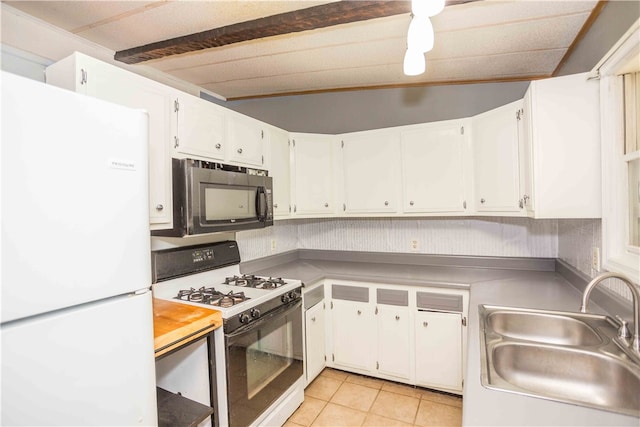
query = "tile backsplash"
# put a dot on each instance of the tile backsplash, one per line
(511, 237)
(571, 240)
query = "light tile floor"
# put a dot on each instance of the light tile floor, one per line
(337, 398)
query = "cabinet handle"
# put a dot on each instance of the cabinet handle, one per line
(239, 150)
(526, 200)
(326, 205)
(176, 142)
(83, 76)
(386, 203)
(295, 208)
(464, 205)
(359, 312)
(425, 324)
(411, 203)
(275, 206)
(482, 200)
(159, 207)
(397, 317)
(218, 146)
(313, 319)
(520, 203)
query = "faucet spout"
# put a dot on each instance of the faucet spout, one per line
(635, 344)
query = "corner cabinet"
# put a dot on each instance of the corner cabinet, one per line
(280, 170)
(560, 143)
(89, 76)
(371, 175)
(436, 168)
(496, 160)
(313, 174)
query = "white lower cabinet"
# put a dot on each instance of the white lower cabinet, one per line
(315, 338)
(354, 338)
(412, 335)
(394, 342)
(438, 338)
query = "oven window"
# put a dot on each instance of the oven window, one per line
(225, 203)
(268, 357)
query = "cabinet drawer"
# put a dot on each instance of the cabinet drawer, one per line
(439, 302)
(350, 293)
(392, 297)
(313, 297)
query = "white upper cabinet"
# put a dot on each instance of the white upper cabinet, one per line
(371, 178)
(496, 159)
(435, 168)
(246, 138)
(95, 78)
(198, 128)
(280, 171)
(561, 148)
(313, 174)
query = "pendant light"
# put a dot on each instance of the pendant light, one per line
(420, 35)
(426, 8)
(414, 62)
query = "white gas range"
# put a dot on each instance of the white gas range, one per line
(261, 383)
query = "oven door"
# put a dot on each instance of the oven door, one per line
(264, 359)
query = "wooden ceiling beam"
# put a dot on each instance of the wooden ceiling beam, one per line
(326, 15)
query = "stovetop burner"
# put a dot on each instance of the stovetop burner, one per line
(252, 281)
(210, 296)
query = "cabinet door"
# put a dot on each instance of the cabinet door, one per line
(246, 139)
(496, 162)
(394, 338)
(315, 344)
(280, 171)
(199, 128)
(313, 174)
(433, 169)
(354, 335)
(438, 338)
(371, 164)
(525, 137)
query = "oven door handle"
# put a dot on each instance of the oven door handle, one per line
(272, 315)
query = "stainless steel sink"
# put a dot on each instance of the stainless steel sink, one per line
(562, 356)
(544, 327)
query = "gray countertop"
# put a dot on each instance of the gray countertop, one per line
(510, 287)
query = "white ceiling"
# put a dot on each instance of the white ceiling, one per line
(479, 41)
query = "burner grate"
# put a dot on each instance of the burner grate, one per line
(253, 281)
(210, 296)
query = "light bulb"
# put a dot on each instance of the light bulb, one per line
(420, 35)
(414, 62)
(426, 7)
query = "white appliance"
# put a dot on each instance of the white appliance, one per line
(259, 362)
(77, 319)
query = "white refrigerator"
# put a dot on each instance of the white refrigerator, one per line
(77, 319)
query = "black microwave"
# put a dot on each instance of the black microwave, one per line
(211, 197)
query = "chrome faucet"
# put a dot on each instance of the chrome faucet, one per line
(635, 344)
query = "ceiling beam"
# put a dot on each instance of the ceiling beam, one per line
(326, 15)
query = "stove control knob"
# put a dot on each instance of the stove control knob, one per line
(244, 318)
(292, 295)
(285, 298)
(255, 313)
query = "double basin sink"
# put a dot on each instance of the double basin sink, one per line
(562, 356)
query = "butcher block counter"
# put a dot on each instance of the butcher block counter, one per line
(176, 324)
